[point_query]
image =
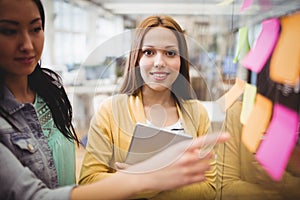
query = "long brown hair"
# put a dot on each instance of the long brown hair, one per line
(181, 89)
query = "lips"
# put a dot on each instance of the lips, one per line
(159, 75)
(25, 60)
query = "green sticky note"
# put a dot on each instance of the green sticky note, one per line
(243, 46)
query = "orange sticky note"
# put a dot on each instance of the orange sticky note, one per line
(285, 61)
(257, 123)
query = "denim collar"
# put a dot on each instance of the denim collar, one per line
(8, 101)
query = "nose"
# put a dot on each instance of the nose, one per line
(26, 42)
(159, 60)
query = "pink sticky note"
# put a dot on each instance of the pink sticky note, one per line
(257, 57)
(279, 141)
(246, 4)
(264, 5)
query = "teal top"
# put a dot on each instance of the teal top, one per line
(63, 150)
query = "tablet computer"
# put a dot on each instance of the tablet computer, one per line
(148, 141)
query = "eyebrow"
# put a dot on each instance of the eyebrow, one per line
(16, 23)
(9, 21)
(169, 46)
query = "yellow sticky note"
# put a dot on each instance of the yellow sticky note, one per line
(225, 2)
(232, 95)
(248, 102)
(257, 122)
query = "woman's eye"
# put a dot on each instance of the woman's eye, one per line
(171, 53)
(37, 29)
(8, 31)
(147, 52)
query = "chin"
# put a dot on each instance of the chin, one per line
(159, 88)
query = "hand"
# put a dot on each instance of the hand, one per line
(178, 165)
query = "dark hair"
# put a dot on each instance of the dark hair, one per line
(41, 11)
(133, 81)
(48, 85)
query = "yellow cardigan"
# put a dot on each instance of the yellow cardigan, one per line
(239, 174)
(110, 134)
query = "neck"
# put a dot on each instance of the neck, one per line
(151, 97)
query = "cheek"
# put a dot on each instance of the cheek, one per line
(145, 69)
(174, 64)
(40, 45)
(7, 51)
(145, 62)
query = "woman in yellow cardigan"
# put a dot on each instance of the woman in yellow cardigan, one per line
(156, 91)
(241, 177)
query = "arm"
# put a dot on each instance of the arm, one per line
(168, 174)
(106, 144)
(18, 182)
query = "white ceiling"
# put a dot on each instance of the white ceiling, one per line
(188, 7)
(217, 8)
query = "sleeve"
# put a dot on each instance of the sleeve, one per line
(18, 182)
(98, 159)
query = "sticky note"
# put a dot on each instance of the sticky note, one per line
(232, 95)
(246, 4)
(265, 5)
(279, 141)
(264, 46)
(248, 102)
(225, 2)
(243, 45)
(285, 61)
(257, 123)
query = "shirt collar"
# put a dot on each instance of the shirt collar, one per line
(8, 101)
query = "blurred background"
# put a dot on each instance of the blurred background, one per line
(87, 42)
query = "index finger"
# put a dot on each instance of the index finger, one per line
(207, 142)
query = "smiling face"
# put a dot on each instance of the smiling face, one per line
(21, 37)
(159, 60)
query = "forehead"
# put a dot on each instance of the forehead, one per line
(160, 37)
(18, 10)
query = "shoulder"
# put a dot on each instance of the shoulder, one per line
(113, 101)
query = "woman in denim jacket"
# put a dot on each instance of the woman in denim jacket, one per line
(33, 100)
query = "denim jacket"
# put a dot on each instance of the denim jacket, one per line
(22, 135)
